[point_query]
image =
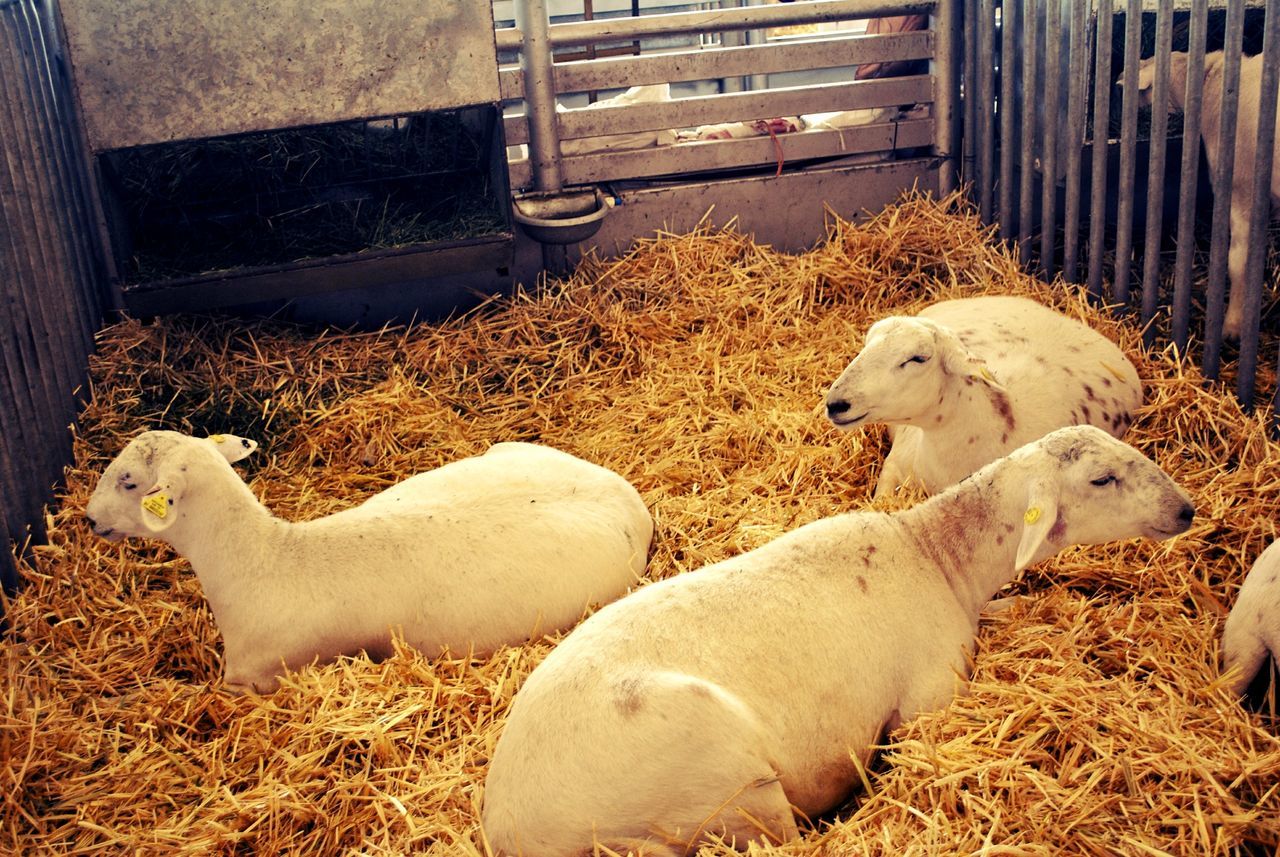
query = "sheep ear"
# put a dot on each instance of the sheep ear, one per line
(160, 504)
(1039, 518)
(231, 447)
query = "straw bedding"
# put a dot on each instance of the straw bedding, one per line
(695, 366)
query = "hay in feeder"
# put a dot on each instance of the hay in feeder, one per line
(695, 366)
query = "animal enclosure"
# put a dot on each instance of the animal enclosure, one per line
(695, 366)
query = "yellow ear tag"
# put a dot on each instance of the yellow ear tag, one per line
(157, 504)
(1032, 515)
(986, 374)
(218, 438)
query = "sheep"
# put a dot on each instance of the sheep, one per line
(1246, 144)
(713, 702)
(482, 552)
(1252, 630)
(967, 381)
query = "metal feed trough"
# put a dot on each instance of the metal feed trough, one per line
(214, 135)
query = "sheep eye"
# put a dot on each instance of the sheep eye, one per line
(919, 358)
(129, 486)
(1103, 480)
(126, 483)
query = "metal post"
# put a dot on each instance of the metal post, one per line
(986, 109)
(540, 95)
(1027, 170)
(944, 67)
(1008, 115)
(1189, 180)
(1049, 146)
(1155, 170)
(1128, 155)
(1215, 298)
(1101, 136)
(1260, 212)
(969, 72)
(1079, 53)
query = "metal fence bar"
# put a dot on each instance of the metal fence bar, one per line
(1049, 149)
(1008, 116)
(1078, 52)
(1155, 172)
(1101, 133)
(986, 113)
(1260, 211)
(945, 22)
(1028, 170)
(1190, 174)
(1215, 297)
(682, 23)
(1128, 154)
(969, 73)
(540, 94)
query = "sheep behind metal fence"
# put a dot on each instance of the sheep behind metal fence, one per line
(1055, 153)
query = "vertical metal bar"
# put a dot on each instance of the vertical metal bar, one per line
(1101, 137)
(1155, 171)
(1187, 184)
(1029, 113)
(1008, 112)
(1078, 65)
(1260, 210)
(946, 73)
(1049, 148)
(986, 107)
(1128, 155)
(1215, 297)
(969, 74)
(536, 62)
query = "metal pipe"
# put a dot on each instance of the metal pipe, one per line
(1101, 137)
(1049, 146)
(986, 112)
(945, 68)
(969, 70)
(537, 63)
(1128, 155)
(1189, 180)
(1155, 170)
(1260, 208)
(717, 20)
(1027, 171)
(1215, 297)
(1008, 113)
(1078, 52)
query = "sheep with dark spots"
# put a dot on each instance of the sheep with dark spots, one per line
(956, 395)
(767, 678)
(1252, 630)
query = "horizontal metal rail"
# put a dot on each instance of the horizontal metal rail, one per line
(705, 110)
(745, 18)
(689, 158)
(679, 66)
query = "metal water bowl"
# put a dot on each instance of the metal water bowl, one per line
(562, 218)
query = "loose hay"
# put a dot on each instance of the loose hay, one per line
(695, 366)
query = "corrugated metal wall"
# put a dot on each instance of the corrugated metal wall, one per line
(50, 273)
(1088, 192)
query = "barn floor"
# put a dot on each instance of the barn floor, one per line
(695, 367)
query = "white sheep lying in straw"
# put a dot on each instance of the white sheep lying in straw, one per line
(967, 381)
(1246, 153)
(714, 702)
(1252, 630)
(481, 552)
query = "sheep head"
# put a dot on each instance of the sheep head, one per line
(141, 491)
(902, 374)
(1086, 487)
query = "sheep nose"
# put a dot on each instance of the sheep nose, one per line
(837, 407)
(93, 525)
(1187, 513)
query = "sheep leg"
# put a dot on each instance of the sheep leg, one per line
(1237, 257)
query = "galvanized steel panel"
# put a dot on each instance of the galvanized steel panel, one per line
(152, 71)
